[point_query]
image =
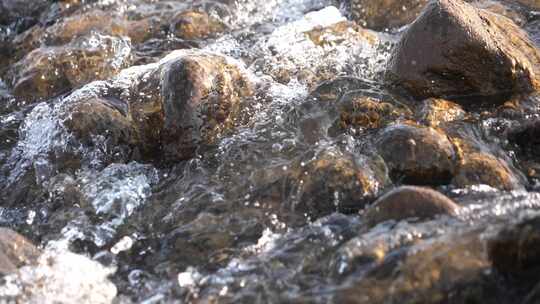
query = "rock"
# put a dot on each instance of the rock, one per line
(435, 111)
(332, 181)
(410, 202)
(515, 250)
(417, 155)
(104, 118)
(456, 51)
(196, 25)
(385, 14)
(188, 99)
(15, 251)
(483, 168)
(504, 9)
(357, 110)
(17, 10)
(48, 71)
(82, 25)
(202, 94)
(446, 270)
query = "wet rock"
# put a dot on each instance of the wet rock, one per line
(82, 25)
(502, 8)
(17, 10)
(196, 25)
(202, 94)
(49, 71)
(418, 155)
(208, 240)
(103, 118)
(15, 251)
(484, 168)
(455, 51)
(515, 250)
(385, 14)
(339, 32)
(357, 110)
(410, 202)
(435, 111)
(431, 272)
(333, 181)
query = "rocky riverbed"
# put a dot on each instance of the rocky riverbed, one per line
(270, 151)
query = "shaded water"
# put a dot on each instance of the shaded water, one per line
(244, 221)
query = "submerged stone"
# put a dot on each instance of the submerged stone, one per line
(410, 202)
(416, 154)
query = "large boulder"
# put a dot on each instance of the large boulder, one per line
(455, 51)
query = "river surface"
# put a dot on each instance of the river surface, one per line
(230, 225)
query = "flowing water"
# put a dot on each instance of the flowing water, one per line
(230, 225)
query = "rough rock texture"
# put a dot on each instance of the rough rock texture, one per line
(410, 202)
(516, 250)
(15, 251)
(434, 111)
(359, 111)
(415, 154)
(454, 50)
(484, 168)
(385, 14)
(202, 94)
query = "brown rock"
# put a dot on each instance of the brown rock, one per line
(454, 51)
(408, 202)
(359, 111)
(48, 71)
(101, 117)
(483, 168)
(435, 111)
(385, 14)
(15, 251)
(202, 94)
(196, 25)
(333, 181)
(418, 155)
(82, 25)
